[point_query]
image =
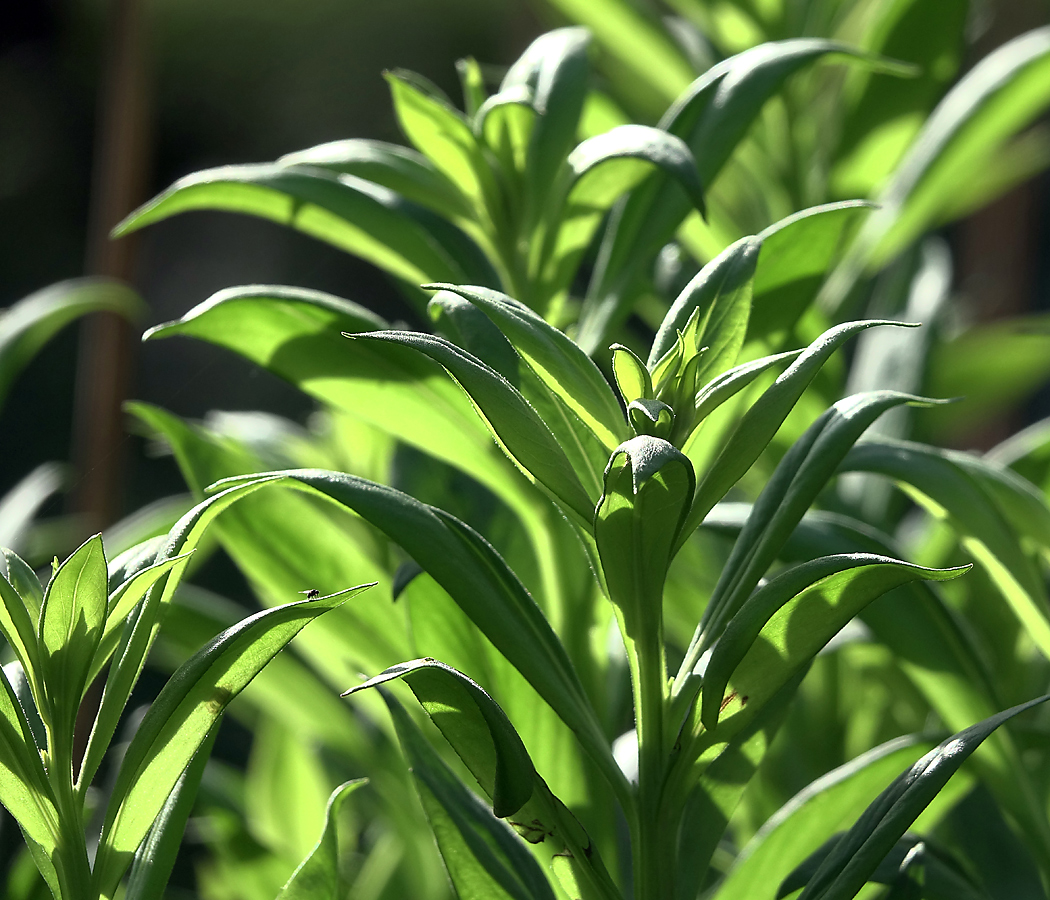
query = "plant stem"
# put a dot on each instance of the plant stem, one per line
(652, 878)
(74, 870)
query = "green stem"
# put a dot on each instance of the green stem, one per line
(71, 863)
(651, 849)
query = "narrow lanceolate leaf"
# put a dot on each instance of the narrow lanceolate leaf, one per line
(760, 423)
(155, 857)
(121, 602)
(597, 173)
(795, 484)
(363, 218)
(401, 169)
(141, 627)
(554, 70)
(72, 618)
(857, 855)
(473, 723)
(526, 438)
(934, 651)
(913, 869)
(317, 877)
(181, 718)
(25, 791)
(557, 360)
(24, 580)
(828, 805)
(28, 324)
(786, 622)
(722, 387)
(484, 858)
(441, 133)
(655, 65)
(948, 489)
(18, 627)
(797, 255)
(476, 577)
(720, 295)
(295, 334)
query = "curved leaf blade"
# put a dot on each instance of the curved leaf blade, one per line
(525, 437)
(474, 724)
(480, 582)
(27, 325)
(181, 718)
(858, 853)
(355, 215)
(317, 877)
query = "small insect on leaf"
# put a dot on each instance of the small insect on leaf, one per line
(311, 594)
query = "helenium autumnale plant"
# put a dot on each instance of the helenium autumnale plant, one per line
(688, 509)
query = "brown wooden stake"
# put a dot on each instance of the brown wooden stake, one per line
(106, 340)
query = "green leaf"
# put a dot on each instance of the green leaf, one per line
(505, 122)
(19, 628)
(140, 630)
(574, 379)
(473, 723)
(595, 175)
(468, 327)
(794, 485)
(722, 387)
(761, 421)
(797, 254)
(440, 132)
(526, 439)
(23, 692)
(296, 334)
(25, 791)
(121, 602)
(937, 481)
(554, 68)
(632, 377)
(317, 877)
(401, 169)
(720, 297)
(23, 579)
(180, 719)
(822, 808)
(155, 857)
(483, 856)
(284, 542)
(859, 852)
(363, 218)
(783, 624)
(939, 875)
(936, 652)
(637, 42)
(30, 323)
(480, 582)
(1001, 95)
(72, 617)
(882, 115)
